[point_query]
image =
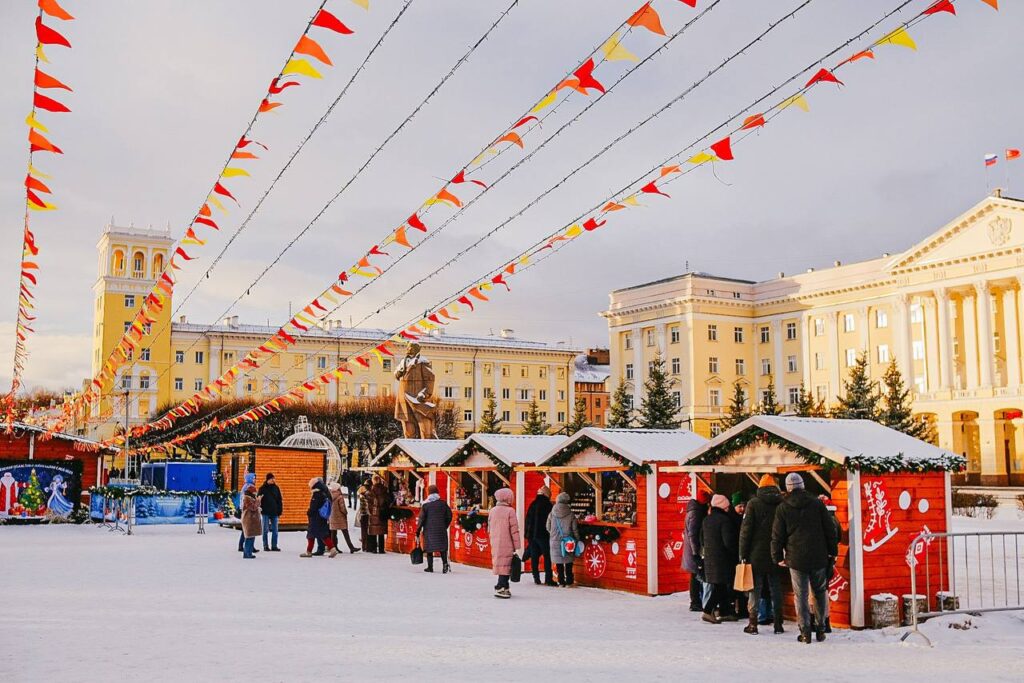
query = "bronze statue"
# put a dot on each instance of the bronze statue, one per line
(414, 405)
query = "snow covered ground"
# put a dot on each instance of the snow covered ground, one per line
(167, 604)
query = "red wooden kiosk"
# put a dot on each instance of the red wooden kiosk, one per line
(630, 512)
(483, 464)
(887, 488)
(408, 466)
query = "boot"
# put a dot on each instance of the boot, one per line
(306, 554)
(446, 568)
(710, 618)
(751, 627)
(804, 637)
(778, 624)
(333, 553)
(819, 635)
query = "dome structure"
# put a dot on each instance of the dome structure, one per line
(305, 437)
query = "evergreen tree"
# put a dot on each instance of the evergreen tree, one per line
(861, 398)
(620, 414)
(534, 423)
(489, 422)
(806, 406)
(770, 404)
(737, 407)
(657, 409)
(896, 410)
(579, 417)
(32, 497)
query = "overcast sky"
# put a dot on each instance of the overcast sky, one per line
(163, 89)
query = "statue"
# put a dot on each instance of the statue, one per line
(413, 405)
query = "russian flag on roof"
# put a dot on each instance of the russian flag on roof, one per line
(991, 159)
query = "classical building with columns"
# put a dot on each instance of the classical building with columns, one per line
(949, 310)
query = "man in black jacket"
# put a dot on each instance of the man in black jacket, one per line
(696, 511)
(755, 549)
(537, 538)
(271, 507)
(804, 539)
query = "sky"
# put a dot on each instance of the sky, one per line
(162, 90)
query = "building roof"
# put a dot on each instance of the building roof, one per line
(592, 374)
(35, 429)
(423, 452)
(837, 440)
(638, 446)
(516, 449)
(692, 274)
(375, 335)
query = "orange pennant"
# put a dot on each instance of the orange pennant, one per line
(513, 138)
(648, 18)
(43, 80)
(40, 143)
(753, 121)
(308, 46)
(54, 10)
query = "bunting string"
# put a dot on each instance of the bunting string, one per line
(467, 299)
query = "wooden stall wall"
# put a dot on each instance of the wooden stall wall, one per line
(292, 470)
(674, 492)
(895, 508)
(470, 547)
(839, 583)
(620, 564)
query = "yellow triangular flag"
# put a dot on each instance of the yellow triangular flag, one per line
(216, 202)
(574, 230)
(40, 55)
(631, 200)
(44, 207)
(546, 102)
(300, 66)
(798, 99)
(31, 121)
(702, 158)
(898, 37)
(37, 173)
(233, 172)
(614, 52)
(365, 4)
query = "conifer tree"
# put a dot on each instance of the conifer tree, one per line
(534, 424)
(579, 417)
(620, 414)
(489, 422)
(738, 411)
(657, 409)
(32, 497)
(806, 406)
(770, 404)
(860, 397)
(896, 410)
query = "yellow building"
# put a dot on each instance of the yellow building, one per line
(949, 310)
(174, 364)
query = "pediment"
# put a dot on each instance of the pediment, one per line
(993, 226)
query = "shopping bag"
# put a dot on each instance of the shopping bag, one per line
(517, 569)
(416, 555)
(744, 578)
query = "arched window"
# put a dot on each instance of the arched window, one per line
(158, 265)
(139, 265)
(117, 263)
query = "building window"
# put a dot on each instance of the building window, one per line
(448, 392)
(561, 416)
(467, 368)
(791, 364)
(199, 357)
(916, 313)
(179, 384)
(851, 357)
(179, 356)
(467, 415)
(766, 366)
(127, 325)
(766, 334)
(881, 319)
(714, 397)
(920, 384)
(198, 384)
(883, 353)
(918, 350)
(542, 395)
(713, 364)
(488, 392)
(523, 415)
(819, 361)
(506, 416)
(736, 295)
(741, 366)
(794, 395)
(131, 354)
(561, 373)
(249, 387)
(129, 301)
(819, 327)
(449, 368)
(628, 341)
(524, 394)
(488, 368)
(711, 292)
(650, 337)
(650, 366)
(229, 356)
(147, 328)
(506, 371)
(790, 331)
(506, 393)
(561, 395)
(849, 324)
(543, 416)
(597, 403)
(143, 381)
(629, 371)
(144, 354)
(821, 392)
(674, 334)
(676, 366)
(542, 372)
(126, 382)
(467, 392)
(386, 365)
(766, 395)
(716, 429)
(677, 399)
(737, 335)
(712, 332)
(321, 362)
(629, 401)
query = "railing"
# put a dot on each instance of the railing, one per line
(970, 572)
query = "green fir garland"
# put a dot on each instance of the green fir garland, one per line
(465, 451)
(568, 452)
(121, 492)
(397, 514)
(472, 522)
(599, 532)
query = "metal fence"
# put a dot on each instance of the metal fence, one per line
(964, 573)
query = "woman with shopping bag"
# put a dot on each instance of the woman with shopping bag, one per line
(720, 541)
(505, 539)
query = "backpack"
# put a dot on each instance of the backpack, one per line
(325, 509)
(570, 546)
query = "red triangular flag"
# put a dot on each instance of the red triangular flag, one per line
(325, 19)
(823, 76)
(47, 36)
(41, 101)
(723, 149)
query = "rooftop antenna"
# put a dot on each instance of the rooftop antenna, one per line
(687, 266)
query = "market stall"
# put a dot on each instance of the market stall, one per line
(483, 464)
(408, 466)
(887, 488)
(631, 514)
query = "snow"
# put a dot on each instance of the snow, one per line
(166, 604)
(639, 446)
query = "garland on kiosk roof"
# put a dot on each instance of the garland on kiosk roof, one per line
(467, 450)
(121, 492)
(862, 463)
(567, 452)
(472, 521)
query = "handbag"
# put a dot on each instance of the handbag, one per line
(516, 570)
(570, 546)
(416, 555)
(744, 577)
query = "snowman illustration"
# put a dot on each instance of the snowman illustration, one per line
(58, 504)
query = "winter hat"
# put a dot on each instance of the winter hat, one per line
(703, 497)
(313, 481)
(334, 486)
(270, 475)
(766, 480)
(504, 495)
(794, 481)
(737, 499)
(719, 501)
(563, 498)
(432, 489)
(249, 478)
(544, 491)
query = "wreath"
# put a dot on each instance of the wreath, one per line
(599, 532)
(473, 521)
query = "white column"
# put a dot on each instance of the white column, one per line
(652, 531)
(778, 372)
(478, 390)
(930, 337)
(1011, 328)
(904, 336)
(552, 394)
(862, 327)
(945, 331)
(835, 363)
(970, 350)
(985, 349)
(662, 336)
(638, 365)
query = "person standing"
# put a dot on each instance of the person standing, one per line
(377, 514)
(537, 537)
(249, 479)
(738, 505)
(352, 484)
(562, 524)
(503, 530)
(339, 519)
(719, 540)
(756, 549)
(434, 520)
(804, 539)
(272, 506)
(696, 511)
(364, 516)
(317, 528)
(250, 521)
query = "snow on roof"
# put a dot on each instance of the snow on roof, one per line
(584, 371)
(837, 440)
(421, 451)
(63, 436)
(639, 446)
(516, 449)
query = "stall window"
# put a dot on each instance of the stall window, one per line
(605, 496)
(477, 489)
